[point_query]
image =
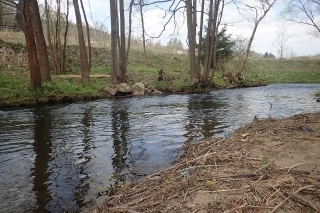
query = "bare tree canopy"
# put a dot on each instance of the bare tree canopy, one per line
(281, 41)
(305, 12)
(254, 11)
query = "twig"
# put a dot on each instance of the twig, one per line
(215, 163)
(177, 165)
(289, 168)
(229, 177)
(201, 166)
(287, 198)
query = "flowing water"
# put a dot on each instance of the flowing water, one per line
(61, 158)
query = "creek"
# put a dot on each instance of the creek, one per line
(63, 157)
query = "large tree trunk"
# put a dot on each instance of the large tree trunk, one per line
(35, 75)
(82, 46)
(88, 34)
(200, 35)
(209, 41)
(191, 23)
(114, 41)
(122, 50)
(41, 43)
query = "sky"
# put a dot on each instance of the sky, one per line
(300, 42)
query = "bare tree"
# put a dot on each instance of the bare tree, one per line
(211, 39)
(281, 41)
(254, 11)
(88, 34)
(54, 26)
(34, 68)
(114, 40)
(122, 49)
(64, 49)
(240, 47)
(143, 31)
(118, 74)
(41, 43)
(191, 6)
(82, 46)
(305, 12)
(130, 29)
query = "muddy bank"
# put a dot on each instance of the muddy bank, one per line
(270, 165)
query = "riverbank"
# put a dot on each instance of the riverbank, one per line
(15, 80)
(69, 88)
(269, 165)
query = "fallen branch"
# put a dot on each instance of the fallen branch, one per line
(287, 198)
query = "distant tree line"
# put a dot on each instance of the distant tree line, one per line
(207, 41)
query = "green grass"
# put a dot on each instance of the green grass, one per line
(292, 71)
(15, 88)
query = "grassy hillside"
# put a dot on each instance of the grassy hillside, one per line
(14, 74)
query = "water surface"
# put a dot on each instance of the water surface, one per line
(59, 158)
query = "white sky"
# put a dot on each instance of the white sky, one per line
(300, 43)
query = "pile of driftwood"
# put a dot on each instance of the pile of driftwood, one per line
(234, 175)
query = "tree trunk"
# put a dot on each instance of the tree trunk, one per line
(143, 33)
(82, 46)
(35, 75)
(114, 41)
(51, 50)
(266, 7)
(88, 34)
(209, 41)
(58, 49)
(249, 46)
(122, 50)
(191, 23)
(213, 48)
(130, 24)
(200, 35)
(65, 40)
(41, 43)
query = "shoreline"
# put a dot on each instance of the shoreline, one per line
(65, 99)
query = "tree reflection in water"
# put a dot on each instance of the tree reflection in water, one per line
(120, 128)
(201, 117)
(42, 149)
